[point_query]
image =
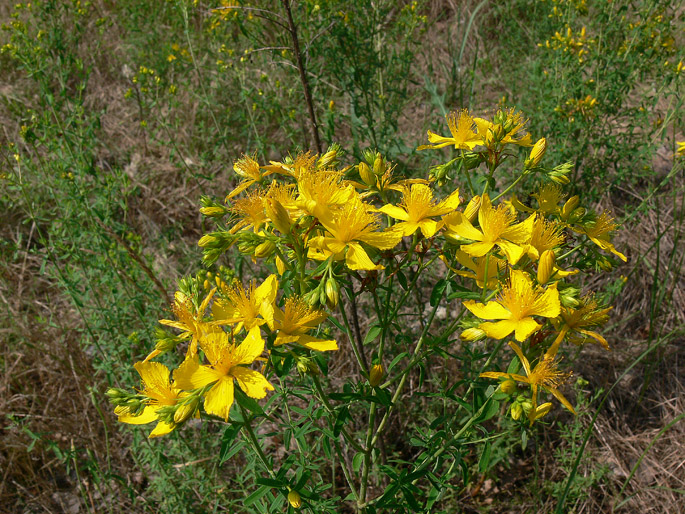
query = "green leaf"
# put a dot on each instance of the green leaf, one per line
(357, 462)
(372, 334)
(437, 292)
(484, 460)
(259, 493)
(227, 441)
(248, 403)
(269, 482)
(340, 420)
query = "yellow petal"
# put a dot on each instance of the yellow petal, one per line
(219, 398)
(253, 383)
(320, 345)
(561, 399)
(162, 428)
(266, 292)
(394, 212)
(478, 249)
(251, 347)
(385, 240)
(148, 415)
(358, 259)
(513, 252)
(490, 310)
(498, 330)
(547, 304)
(428, 227)
(155, 376)
(525, 327)
(460, 225)
(190, 375)
(522, 358)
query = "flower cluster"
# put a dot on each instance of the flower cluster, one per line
(319, 227)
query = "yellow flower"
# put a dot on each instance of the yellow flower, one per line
(295, 320)
(189, 321)
(497, 227)
(346, 229)
(160, 392)
(244, 307)
(545, 375)
(545, 235)
(461, 128)
(516, 305)
(417, 208)
(548, 197)
(250, 212)
(321, 192)
(512, 124)
(477, 267)
(226, 363)
(588, 315)
(251, 172)
(681, 146)
(600, 233)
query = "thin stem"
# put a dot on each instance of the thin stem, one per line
(303, 75)
(356, 344)
(247, 426)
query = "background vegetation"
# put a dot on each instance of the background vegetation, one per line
(118, 116)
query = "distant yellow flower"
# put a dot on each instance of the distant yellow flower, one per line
(418, 207)
(227, 362)
(188, 320)
(461, 128)
(516, 305)
(345, 230)
(548, 197)
(250, 170)
(497, 227)
(600, 232)
(545, 375)
(295, 320)
(681, 147)
(545, 235)
(160, 392)
(247, 308)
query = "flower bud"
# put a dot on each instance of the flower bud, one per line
(546, 266)
(327, 158)
(213, 211)
(508, 386)
(472, 207)
(376, 375)
(294, 499)
(577, 214)
(114, 393)
(332, 293)
(516, 411)
(542, 410)
(473, 334)
(206, 240)
(366, 175)
(278, 215)
(186, 410)
(569, 207)
(537, 153)
(264, 250)
(378, 165)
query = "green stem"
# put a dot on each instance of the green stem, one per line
(247, 426)
(329, 408)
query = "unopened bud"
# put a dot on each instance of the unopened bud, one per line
(376, 375)
(206, 284)
(206, 240)
(306, 366)
(537, 153)
(264, 249)
(542, 410)
(473, 334)
(569, 207)
(378, 165)
(472, 207)
(213, 212)
(546, 266)
(294, 499)
(366, 175)
(577, 214)
(508, 386)
(114, 393)
(604, 264)
(516, 411)
(186, 410)
(278, 215)
(332, 293)
(327, 158)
